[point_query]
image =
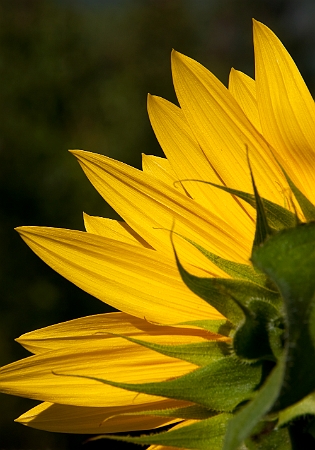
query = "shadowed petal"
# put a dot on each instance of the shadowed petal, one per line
(103, 326)
(88, 420)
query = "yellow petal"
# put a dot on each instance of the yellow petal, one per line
(113, 229)
(132, 279)
(179, 425)
(161, 169)
(103, 326)
(88, 420)
(223, 131)
(179, 144)
(163, 447)
(151, 208)
(113, 359)
(286, 108)
(243, 89)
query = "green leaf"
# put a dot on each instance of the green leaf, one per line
(306, 206)
(278, 217)
(302, 408)
(288, 258)
(226, 295)
(202, 435)
(220, 386)
(242, 425)
(252, 339)
(201, 354)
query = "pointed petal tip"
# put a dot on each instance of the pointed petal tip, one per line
(153, 100)
(84, 155)
(75, 152)
(259, 27)
(150, 100)
(22, 230)
(177, 56)
(233, 72)
(257, 23)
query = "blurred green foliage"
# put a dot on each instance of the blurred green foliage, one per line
(77, 76)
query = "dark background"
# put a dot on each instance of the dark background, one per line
(75, 74)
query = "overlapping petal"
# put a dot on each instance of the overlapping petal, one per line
(103, 326)
(43, 376)
(161, 169)
(152, 208)
(179, 144)
(90, 420)
(223, 131)
(113, 229)
(243, 89)
(130, 278)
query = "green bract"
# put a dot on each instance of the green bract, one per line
(256, 392)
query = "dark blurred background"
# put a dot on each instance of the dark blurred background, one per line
(75, 74)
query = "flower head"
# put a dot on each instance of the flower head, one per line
(201, 331)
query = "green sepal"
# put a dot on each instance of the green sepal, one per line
(266, 437)
(202, 435)
(302, 408)
(307, 207)
(201, 353)
(288, 258)
(235, 270)
(224, 294)
(220, 386)
(262, 229)
(278, 217)
(252, 339)
(276, 333)
(223, 327)
(194, 412)
(243, 424)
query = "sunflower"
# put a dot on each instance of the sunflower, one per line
(200, 331)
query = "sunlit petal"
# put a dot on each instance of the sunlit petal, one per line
(223, 131)
(243, 89)
(135, 280)
(113, 229)
(286, 108)
(152, 208)
(179, 143)
(41, 376)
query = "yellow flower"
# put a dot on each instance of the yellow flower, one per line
(130, 264)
